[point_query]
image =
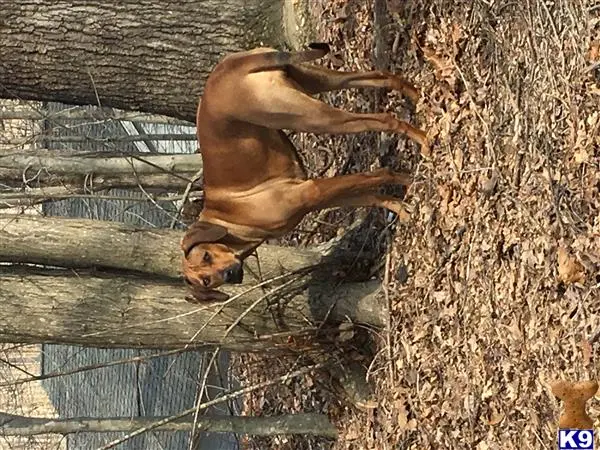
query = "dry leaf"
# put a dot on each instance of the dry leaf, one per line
(581, 156)
(443, 66)
(436, 61)
(487, 185)
(594, 53)
(495, 419)
(456, 33)
(569, 269)
(586, 351)
(412, 424)
(459, 158)
(402, 419)
(352, 433)
(367, 404)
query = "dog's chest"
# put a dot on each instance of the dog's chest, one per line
(269, 208)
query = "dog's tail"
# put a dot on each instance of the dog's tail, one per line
(261, 62)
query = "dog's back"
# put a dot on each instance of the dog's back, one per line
(234, 95)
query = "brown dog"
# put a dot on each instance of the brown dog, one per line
(255, 187)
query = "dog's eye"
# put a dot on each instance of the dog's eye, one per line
(206, 281)
(206, 258)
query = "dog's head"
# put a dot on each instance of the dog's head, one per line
(208, 262)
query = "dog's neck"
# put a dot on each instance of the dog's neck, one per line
(240, 238)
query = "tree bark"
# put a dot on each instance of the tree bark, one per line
(34, 177)
(148, 55)
(98, 114)
(81, 243)
(98, 171)
(308, 424)
(148, 308)
(111, 311)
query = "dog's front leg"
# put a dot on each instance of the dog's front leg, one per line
(355, 190)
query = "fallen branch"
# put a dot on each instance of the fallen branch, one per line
(56, 173)
(31, 197)
(96, 114)
(78, 139)
(308, 424)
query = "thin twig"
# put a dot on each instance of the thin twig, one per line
(16, 367)
(235, 297)
(253, 305)
(202, 308)
(185, 196)
(388, 335)
(175, 219)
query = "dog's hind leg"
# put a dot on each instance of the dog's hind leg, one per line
(287, 108)
(314, 79)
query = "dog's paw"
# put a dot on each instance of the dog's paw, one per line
(412, 93)
(401, 211)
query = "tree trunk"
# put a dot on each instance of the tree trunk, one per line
(148, 309)
(112, 311)
(81, 243)
(149, 55)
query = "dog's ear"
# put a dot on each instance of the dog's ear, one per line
(202, 295)
(202, 232)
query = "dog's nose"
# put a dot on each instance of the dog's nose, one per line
(234, 274)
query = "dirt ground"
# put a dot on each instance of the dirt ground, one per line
(494, 285)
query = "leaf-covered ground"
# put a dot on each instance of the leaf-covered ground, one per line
(494, 285)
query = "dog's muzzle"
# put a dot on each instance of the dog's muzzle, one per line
(234, 274)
